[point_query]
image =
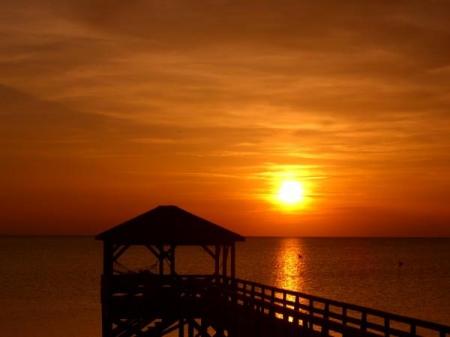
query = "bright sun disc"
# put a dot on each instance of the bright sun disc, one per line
(291, 192)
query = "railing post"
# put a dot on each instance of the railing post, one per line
(181, 328)
(325, 319)
(285, 315)
(363, 321)
(263, 296)
(252, 297)
(272, 303)
(190, 328)
(203, 328)
(311, 313)
(387, 324)
(413, 329)
(296, 309)
(234, 290)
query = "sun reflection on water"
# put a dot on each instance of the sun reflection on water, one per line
(290, 265)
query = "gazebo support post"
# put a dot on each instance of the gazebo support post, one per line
(161, 260)
(172, 260)
(225, 261)
(108, 259)
(233, 261)
(217, 260)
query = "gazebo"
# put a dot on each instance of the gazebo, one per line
(161, 230)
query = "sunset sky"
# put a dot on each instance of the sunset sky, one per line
(109, 108)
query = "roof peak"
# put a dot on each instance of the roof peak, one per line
(174, 225)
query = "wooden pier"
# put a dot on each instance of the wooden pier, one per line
(153, 304)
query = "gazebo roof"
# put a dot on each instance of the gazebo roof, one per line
(169, 225)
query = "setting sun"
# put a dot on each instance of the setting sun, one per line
(291, 192)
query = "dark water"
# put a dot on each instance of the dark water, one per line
(50, 286)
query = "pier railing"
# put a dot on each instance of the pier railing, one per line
(327, 316)
(324, 316)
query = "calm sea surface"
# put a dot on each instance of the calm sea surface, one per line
(50, 286)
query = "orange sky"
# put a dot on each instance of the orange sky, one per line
(109, 108)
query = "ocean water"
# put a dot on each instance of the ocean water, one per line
(50, 286)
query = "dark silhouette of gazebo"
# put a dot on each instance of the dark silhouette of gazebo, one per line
(161, 230)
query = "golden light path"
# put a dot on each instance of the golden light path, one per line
(290, 264)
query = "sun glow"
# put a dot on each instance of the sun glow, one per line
(290, 192)
(289, 189)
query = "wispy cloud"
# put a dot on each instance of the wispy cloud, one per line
(165, 99)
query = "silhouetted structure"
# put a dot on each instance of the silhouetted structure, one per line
(151, 304)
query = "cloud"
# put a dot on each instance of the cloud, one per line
(100, 93)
